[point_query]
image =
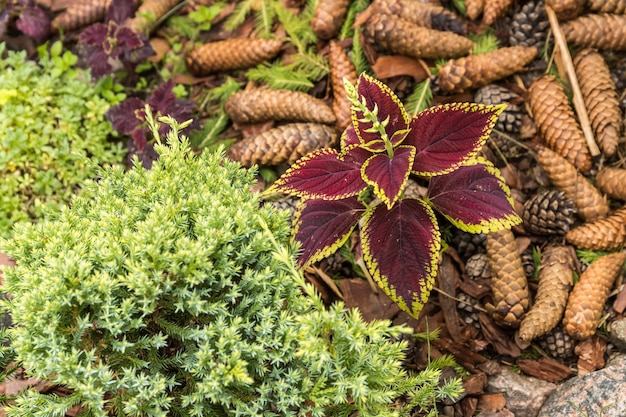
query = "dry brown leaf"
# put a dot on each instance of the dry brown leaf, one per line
(388, 66)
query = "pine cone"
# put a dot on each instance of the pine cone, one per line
(468, 244)
(494, 10)
(478, 70)
(474, 8)
(149, 12)
(287, 204)
(600, 97)
(467, 307)
(584, 307)
(556, 122)
(405, 38)
(557, 343)
(477, 266)
(548, 213)
(590, 204)
(600, 31)
(604, 234)
(231, 54)
(607, 6)
(424, 14)
(510, 120)
(508, 281)
(262, 104)
(82, 14)
(530, 25)
(556, 277)
(612, 181)
(328, 17)
(341, 67)
(566, 9)
(282, 144)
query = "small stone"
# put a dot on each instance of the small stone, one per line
(597, 393)
(617, 330)
(524, 394)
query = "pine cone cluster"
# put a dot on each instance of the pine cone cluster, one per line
(530, 25)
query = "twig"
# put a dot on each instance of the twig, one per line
(579, 104)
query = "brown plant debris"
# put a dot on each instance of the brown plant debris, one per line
(612, 181)
(263, 104)
(282, 144)
(80, 14)
(474, 8)
(566, 9)
(584, 307)
(149, 12)
(328, 17)
(600, 31)
(231, 54)
(424, 14)
(600, 97)
(555, 120)
(475, 71)
(341, 68)
(590, 203)
(603, 234)
(556, 277)
(544, 368)
(607, 6)
(400, 36)
(508, 280)
(494, 10)
(548, 213)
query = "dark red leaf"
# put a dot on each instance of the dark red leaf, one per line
(321, 174)
(120, 10)
(378, 97)
(401, 249)
(449, 135)
(124, 116)
(163, 98)
(389, 176)
(474, 198)
(127, 39)
(322, 226)
(349, 137)
(34, 22)
(95, 34)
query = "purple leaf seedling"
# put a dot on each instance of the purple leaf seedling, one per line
(381, 149)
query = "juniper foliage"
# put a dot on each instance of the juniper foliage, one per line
(170, 291)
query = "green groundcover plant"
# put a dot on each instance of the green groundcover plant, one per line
(171, 291)
(52, 120)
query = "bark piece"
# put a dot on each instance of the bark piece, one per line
(231, 54)
(545, 368)
(612, 181)
(584, 307)
(556, 277)
(262, 104)
(508, 280)
(556, 122)
(603, 234)
(600, 97)
(328, 17)
(282, 144)
(475, 71)
(590, 203)
(600, 31)
(341, 67)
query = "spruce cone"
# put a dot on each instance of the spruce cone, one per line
(556, 122)
(590, 204)
(600, 31)
(600, 97)
(607, 6)
(424, 14)
(282, 144)
(584, 307)
(557, 343)
(474, 8)
(341, 67)
(405, 38)
(508, 280)
(510, 120)
(328, 17)
(231, 54)
(612, 181)
(82, 14)
(149, 12)
(494, 10)
(604, 234)
(548, 213)
(566, 9)
(530, 25)
(478, 70)
(262, 104)
(556, 278)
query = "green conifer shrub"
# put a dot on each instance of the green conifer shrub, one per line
(171, 291)
(52, 120)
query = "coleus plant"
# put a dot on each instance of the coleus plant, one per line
(32, 20)
(364, 182)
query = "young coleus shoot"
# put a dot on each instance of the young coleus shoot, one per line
(382, 147)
